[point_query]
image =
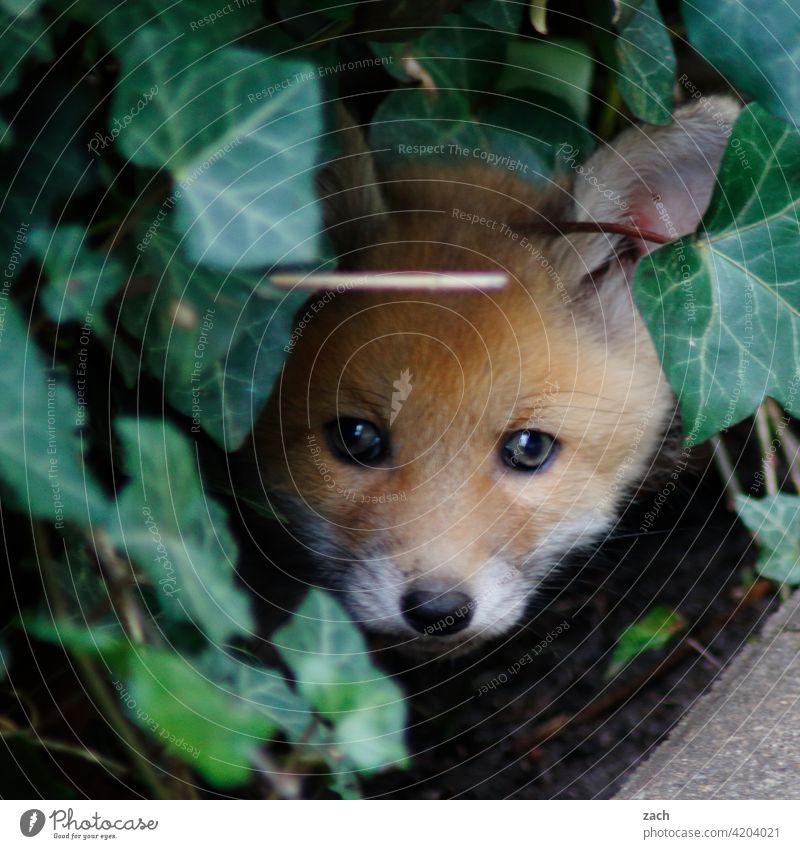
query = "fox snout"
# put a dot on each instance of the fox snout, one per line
(438, 613)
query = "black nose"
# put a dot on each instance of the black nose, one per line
(437, 614)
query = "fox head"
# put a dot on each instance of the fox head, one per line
(439, 453)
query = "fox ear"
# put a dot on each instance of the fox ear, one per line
(657, 178)
(349, 189)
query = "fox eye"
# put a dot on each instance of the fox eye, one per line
(529, 450)
(356, 440)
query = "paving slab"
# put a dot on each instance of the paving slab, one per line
(741, 739)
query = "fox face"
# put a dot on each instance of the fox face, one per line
(440, 453)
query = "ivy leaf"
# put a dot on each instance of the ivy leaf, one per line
(328, 657)
(176, 534)
(81, 280)
(723, 306)
(41, 455)
(323, 648)
(653, 631)
(238, 132)
(775, 522)
(215, 341)
(208, 23)
(756, 45)
(504, 15)
(218, 734)
(263, 687)
(371, 735)
(453, 55)
(560, 68)
(646, 61)
(25, 40)
(24, 8)
(390, 20)
(467, 110)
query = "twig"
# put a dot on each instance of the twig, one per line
(690, 641)
(94, 683)
(726, 469)
(285, 785)
(790, 446)
(118, 571)
(767, 459)
(61, 746)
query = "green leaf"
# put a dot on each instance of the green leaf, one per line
(41, 456)
(215, 341)
(25, 8)
(653, 631)
(723, 306)
(504, 15)
(323, 647)
(328, 657)
(24, 40)
(81, 280)
(519, 131)
(238, 132)
(329, 8)
(756, 45)
(180, 708)
(371, 735)
(208, 23)
(453, 55)
(775, 522)
(263, 687)
(464, 112)
(49, 161)
(106, 639)
(176, 534)
(6, 134)
(561, 68)
(646, 61)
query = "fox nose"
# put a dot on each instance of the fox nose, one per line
(437, 614)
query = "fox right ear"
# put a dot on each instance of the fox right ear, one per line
(349, 189)
(656, 178)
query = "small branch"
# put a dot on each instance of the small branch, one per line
(284, 785)
(767, 460)
(692, 643)
(106, 704)
(119, 571)
(61, 746)
(726, 469)
(790, 446)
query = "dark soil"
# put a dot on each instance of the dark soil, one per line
(473, 736)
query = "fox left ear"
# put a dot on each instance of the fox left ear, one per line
(656, 178)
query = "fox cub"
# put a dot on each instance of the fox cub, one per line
(440, 452)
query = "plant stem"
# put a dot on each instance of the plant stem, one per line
(134, 622)
(767, 459)
(790, 445)
(94, 683)
(61, 746)
(727, 472)
(283, 784)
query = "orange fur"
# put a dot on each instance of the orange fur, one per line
(555, 351)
